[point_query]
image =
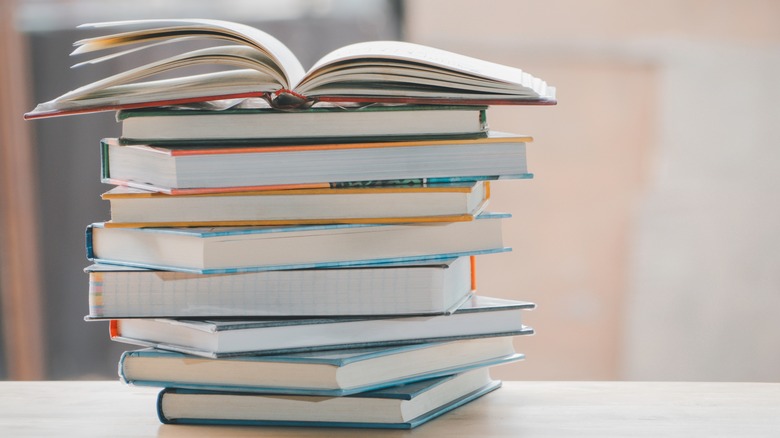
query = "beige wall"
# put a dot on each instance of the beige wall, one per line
(618, 236)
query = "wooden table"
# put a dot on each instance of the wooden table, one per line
(519, 409)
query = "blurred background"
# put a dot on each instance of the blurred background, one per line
(649, 237)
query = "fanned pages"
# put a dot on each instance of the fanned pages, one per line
(370, 72)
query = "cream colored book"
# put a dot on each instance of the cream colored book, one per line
(170, 168)
(372, 204)
(211, 250)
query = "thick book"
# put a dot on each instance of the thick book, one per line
(399, 407)
(329, 373)
(131, 207)
(171, 167)
(479, 317)
(380, 71)
(424, 288)
(322, 124)
(240, 249)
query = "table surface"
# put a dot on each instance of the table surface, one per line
(518, 409)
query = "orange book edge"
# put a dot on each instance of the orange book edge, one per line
(247, 223)
(302, 191)
(113, 329)
(473, 260)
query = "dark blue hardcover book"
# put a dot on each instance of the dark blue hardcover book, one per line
(399, 407)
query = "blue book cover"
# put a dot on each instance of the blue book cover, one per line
(219, 250)
(400, 407)
(324, 373)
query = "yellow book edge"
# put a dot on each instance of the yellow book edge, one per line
(322, 221)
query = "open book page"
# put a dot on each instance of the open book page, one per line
(332, 73)
(177, 29)
(183, 90)
(236, 56)
(409, 56)
(239, 56)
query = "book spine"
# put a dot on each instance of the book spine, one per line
(289, 99)
(105, 173)
(113, 329)
(88, 243)
(121, 366)
(96, 295)
(473, 262)
(160, 414)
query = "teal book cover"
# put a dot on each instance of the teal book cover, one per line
(370, 244)
(339, 364)
(427, 400)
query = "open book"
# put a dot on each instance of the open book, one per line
(370, 72)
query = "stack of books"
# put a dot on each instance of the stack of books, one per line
(298, 248)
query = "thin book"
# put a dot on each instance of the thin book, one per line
(386, 203)
(479, 317)
(324, 123)
(221, 250)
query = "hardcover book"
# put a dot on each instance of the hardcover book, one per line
(499, 155)
(401, 203)
(329, 373)
(399, 407)
(479, 317)
(321, 124)
(423, 288)
(379, 71)
(242, 249)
